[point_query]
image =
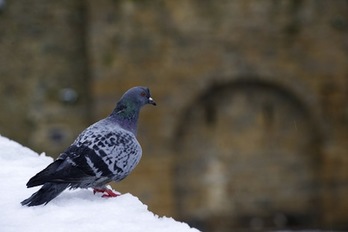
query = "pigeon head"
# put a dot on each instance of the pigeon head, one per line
(138, 97)
(127, 109)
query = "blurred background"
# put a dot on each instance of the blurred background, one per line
(250, 131)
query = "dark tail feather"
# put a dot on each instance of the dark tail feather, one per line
(45, 175)
(47, 192)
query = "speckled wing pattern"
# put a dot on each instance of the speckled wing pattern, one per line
(105, 151)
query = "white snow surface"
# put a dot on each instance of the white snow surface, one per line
(73, 210)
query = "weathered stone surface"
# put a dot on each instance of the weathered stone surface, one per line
(42, 47)
(183, 48)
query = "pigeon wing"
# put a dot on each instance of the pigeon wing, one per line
(94, 159)
(115, 152)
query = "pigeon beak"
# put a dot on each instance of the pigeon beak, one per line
(151, 101)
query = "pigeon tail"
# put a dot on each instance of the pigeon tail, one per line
(47, 192)
(45, 175)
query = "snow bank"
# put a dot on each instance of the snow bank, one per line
(77, 210)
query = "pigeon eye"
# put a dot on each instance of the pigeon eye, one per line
(143, 94)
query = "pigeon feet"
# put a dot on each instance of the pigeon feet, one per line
(107, 192)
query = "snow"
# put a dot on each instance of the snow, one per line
(73, 210)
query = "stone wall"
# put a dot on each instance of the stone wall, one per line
(43, 71)
(250, 129)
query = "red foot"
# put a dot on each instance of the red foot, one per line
(107, 192)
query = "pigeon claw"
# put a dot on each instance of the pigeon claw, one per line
(107, 192)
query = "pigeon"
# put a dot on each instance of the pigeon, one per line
(106, 151)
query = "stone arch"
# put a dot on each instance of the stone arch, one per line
(248, 156)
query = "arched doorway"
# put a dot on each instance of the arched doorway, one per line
(247, 158)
